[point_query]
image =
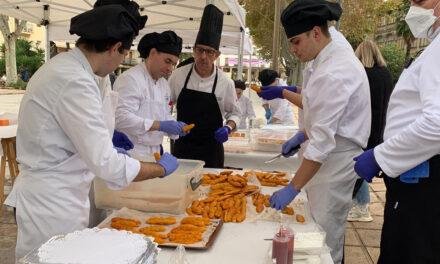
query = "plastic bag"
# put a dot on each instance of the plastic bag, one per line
(179, 256)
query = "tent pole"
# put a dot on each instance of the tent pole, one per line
(45, 22)
(240, 56)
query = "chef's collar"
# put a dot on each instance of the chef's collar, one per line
(83, 60)
(323, 54)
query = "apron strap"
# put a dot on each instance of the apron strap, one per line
(187, 78)
(215, 81)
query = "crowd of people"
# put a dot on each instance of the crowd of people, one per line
(354, 123)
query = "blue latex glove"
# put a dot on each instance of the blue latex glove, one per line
(416, 173)
(168, 162)
(281, 198)
(221, 135)
(291, 146)
(366, 165)
(268, 114)
(273, 92)
(120, 140)
(122, 151)
(172, 127)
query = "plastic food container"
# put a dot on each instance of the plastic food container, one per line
(171, 194)
(270, 139)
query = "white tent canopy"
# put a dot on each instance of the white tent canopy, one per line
(181, 16)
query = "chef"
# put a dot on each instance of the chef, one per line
(409, 156)
(247, 110)
(336, 119)
(144, 112)
(281, 110)
(63, 140)
(204, 95)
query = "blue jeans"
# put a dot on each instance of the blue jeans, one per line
(363, 195)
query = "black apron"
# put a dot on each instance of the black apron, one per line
(411, 227)
(201, 109)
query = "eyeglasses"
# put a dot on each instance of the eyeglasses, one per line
(209, 52)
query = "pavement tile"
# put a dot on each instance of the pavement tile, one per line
(7, 216)
(351, 238)
(356, 255)
(374, 253)
(370, 238)
(378, 187)
(7, 256)
(381, 196)
(376, 224)
(9, 230)
(7, 242)
(374, 198)
(376, 209)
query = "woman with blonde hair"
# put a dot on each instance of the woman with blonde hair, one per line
(381, 86)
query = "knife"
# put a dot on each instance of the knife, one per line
(291, 153)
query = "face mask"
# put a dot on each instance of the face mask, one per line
(420, 20)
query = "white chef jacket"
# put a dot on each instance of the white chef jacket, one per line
(247, 111)
(62, 143)
(281, 109)
(412, 131)
(336, 102)
(141, 101)
(224, 92)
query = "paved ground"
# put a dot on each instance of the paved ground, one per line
(362, 239)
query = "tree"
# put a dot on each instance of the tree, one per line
(10, 38)
(402, 28)
(395, 58)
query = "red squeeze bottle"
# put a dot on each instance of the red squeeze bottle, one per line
(282, 246)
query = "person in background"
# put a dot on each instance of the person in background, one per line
(381, 86)
(203, 95)
(247, 110)
(278, 110)
(335, 119)
(63, 141)
(409, 156)
(143, 111)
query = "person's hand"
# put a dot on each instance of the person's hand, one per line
(168, 162)
(281, 198)
(121, 151)
(366, 165)
(268, 114)
(273, 92)
(172, 127)
(120, 140)
(291, 146)
(221, 135)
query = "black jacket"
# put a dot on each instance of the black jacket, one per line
(381, 86)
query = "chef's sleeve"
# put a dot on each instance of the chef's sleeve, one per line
(79, 113)
(232, 109)
(325, 109)
(420, 140)
(129, 101)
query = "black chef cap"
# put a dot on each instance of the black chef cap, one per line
(211, 26)
(302, 15)
(267, 77)
(131, 6)
(105, 22)
(167, 42)
(240, 84)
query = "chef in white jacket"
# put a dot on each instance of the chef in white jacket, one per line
(336, 119)
(246, 108)
(144, 112)
(409, 156)
(281, 111)
(63, 140)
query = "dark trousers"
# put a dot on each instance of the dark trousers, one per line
(411, 228)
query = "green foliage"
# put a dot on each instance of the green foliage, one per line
(395, 58)
(402, 28)
(20, 84)
(28, 56)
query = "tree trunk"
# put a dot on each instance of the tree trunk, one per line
(10, 61)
